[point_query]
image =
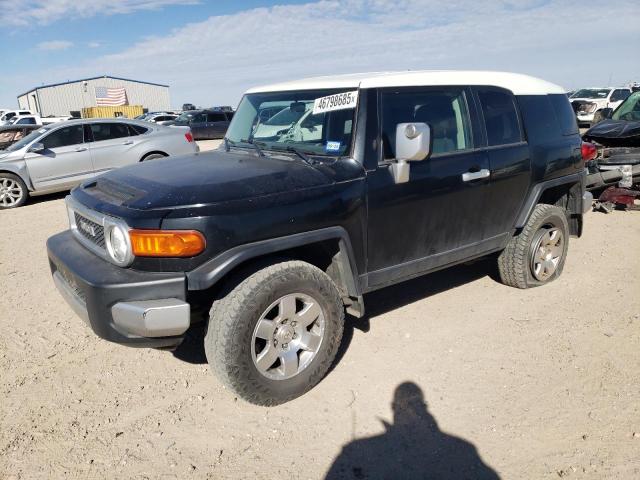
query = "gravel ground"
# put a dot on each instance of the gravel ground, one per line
(534, 384)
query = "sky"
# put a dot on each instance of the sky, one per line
(210, 52)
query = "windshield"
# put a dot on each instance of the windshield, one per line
(315, 122)
(629, 109)
(591, 93)
(26, 140)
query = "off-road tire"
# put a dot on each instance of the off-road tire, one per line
(18, 181)
(514, 262)
(234, 315)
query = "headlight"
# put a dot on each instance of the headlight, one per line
(118, 246)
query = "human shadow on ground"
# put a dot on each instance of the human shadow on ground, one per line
(377, 303)
(413, 447)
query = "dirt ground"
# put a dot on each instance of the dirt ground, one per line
(542, 383)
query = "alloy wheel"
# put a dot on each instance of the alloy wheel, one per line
(288, 336)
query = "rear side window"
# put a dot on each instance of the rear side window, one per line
(108, 131)
(137, 130)
(216, 117)
(64, 137)
(26, 121)
(500, 117)
(444, 110)
(564, 113)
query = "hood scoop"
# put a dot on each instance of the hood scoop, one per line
(111, 192)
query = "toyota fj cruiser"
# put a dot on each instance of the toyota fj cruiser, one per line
(389, 177)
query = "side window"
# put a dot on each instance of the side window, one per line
(64, 137)
(619, 94)
(500, 117)
(445, 110)
(108, 131)
(565, 114)
(216, 117)
(200, 118)
(26, 121)
(137, 130)
(230, 116)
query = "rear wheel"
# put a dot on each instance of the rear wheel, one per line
(536, 256)
(13, 191)
(273, 336)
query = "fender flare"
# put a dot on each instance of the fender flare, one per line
(536, 192)
(212, 271)
(19, 169)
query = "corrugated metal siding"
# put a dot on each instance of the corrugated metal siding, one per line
(63, 99)
(129, 111)
(23, 100)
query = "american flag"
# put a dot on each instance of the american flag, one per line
(113, 97)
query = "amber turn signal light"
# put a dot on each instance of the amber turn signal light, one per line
(166, 243)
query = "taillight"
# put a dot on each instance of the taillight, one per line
(589, 151)
(189, 137)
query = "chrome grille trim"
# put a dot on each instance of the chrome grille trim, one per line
(97, 222)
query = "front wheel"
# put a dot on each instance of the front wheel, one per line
(273, 336)
(13, 191)
(537, 254)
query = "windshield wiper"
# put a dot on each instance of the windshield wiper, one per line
(228, 143)
(300, 153)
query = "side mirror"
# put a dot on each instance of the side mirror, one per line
(413, 144)
(36, 147)
(606, 112)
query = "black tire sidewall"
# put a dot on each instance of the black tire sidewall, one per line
(271, 392)
(553, 220)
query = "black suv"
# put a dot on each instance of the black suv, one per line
(362, 182)
(205, 124)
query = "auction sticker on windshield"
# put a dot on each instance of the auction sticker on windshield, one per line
(339, 101)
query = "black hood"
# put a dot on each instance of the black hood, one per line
(213, 177)
(615, 133)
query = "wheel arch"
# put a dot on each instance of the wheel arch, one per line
(19, 169)
(328, 249)
(565, 192)
(153, 152)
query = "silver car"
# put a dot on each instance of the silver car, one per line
(59, 156)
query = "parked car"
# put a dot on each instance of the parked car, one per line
(7, 116)
(188, 106)
(205, 124)
(161, 118)
(617, 139)
(589, 102)
(26, 120)
(10, 134)
(298, 122)
(412, 172)
(57, 157)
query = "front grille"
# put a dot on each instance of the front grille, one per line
(90, 230)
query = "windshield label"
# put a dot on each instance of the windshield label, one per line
(332, 147)
(339, 101)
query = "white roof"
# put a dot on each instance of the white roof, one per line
(518, 83)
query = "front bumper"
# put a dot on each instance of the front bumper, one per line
(134, 308)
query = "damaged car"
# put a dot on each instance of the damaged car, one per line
(589, 103)
(617, 141)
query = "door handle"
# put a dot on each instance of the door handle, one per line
(470, 176)
(128, 142)
(81, 149)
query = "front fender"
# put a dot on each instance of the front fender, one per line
(215, 269)
(19, 168)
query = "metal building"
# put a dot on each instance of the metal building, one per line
(69, 98)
